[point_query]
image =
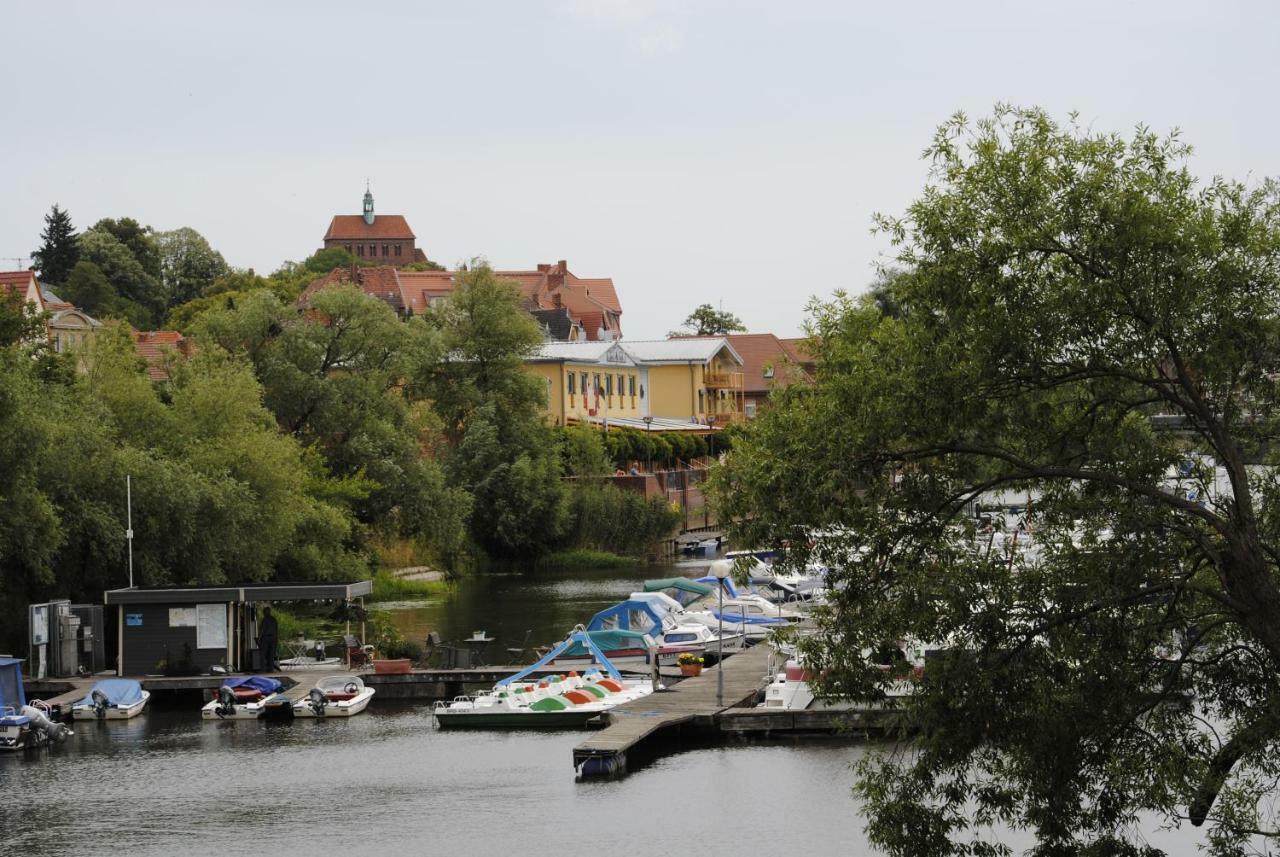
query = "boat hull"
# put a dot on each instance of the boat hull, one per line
(113, 712)
(514, 719)
(247, 710)
(343, 708)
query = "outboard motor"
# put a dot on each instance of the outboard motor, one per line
(100, 704)
(317, 701)
(55, 733)
(226, 702)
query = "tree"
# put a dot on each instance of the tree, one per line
(141, 299)
(139, 240)
(1069, 297)
(60, 251)
(188, 265)
(87, 288)
(706, 320)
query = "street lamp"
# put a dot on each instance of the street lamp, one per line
(721, 569)
(648, 440)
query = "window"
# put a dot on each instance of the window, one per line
(680, 638)
(211, 626)
(751, 410)
(701, 407)
(608, 384)
(596, 387)
(572, 385)
(397, 249)
(373, 249)
(359, 249)
(768, 371)
(620, 387)
(631, 382)
(348, 248)
(385, 252)
(584, 386)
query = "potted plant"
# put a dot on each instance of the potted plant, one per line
(690, 664)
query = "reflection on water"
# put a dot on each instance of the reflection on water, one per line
(387, 782)
(545, 605)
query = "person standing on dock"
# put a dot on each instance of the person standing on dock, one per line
(267, 637)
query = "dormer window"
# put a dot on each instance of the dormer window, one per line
(768, 371)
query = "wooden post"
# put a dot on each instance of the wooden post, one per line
(120, 640)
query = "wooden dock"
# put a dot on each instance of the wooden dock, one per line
(691, 703)
(863, 723)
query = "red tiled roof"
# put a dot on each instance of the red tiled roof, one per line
(153, 346)
(758, 352)
(799, 350)
(13, 281)
(384, 226)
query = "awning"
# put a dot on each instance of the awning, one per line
(247, 593)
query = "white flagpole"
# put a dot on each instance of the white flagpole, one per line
(128, 533)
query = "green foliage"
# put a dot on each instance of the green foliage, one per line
(586, 559)
(389, 587)
(188, 266)
(706, 320)
(139, 296)
(87, 288)
(584, 451)
(423, 266)
(60, 249)
(604, 518)
(19, 321)
(1062, 287)
(139, 240)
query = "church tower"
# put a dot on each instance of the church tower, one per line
(368, 205)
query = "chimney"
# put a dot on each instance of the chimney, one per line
(563, 266)
(543, 267)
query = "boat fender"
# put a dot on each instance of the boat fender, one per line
(100, 704)
(226, 702)
(55, 732)
(317, 701)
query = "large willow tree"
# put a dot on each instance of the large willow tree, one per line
(1081, 320)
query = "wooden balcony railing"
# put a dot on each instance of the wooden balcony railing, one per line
(724, 380)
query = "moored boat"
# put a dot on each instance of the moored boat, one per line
(23, 725)
(549, 702)
(246, 698)
(112, 699)
(335, 696)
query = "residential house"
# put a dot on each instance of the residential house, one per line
(569, 308)
(766, 361)
(590, 382)
(385, 237)
(69, 327)
(699, 380)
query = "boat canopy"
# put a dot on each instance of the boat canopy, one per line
(683, 590)
(577, 635)
(266, 684)
(742, 619)
(12, 694)
(118, 691)
(729, 589)
(338, 683)
(630, 615)
(611, 641)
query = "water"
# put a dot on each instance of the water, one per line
(387, 782)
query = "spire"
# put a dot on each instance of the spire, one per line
(368, 204)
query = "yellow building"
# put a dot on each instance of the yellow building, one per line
(667, 385)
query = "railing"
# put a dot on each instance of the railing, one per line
(724, 380)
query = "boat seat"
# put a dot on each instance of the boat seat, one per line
(339, 696)
(246, 694)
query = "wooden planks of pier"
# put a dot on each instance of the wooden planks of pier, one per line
(692, 701)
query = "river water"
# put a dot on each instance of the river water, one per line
(387, 782)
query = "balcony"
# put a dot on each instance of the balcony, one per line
(723, 380)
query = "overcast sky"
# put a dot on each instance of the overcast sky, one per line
(722, 152)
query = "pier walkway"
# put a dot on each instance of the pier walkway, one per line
(691, 702)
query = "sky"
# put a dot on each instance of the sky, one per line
(730, 153)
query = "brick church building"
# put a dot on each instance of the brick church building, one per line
(385, 237)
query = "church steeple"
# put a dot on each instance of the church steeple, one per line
(368, 205)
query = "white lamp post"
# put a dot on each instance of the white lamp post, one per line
(721, 569)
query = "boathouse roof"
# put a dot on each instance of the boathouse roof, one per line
(243, 593)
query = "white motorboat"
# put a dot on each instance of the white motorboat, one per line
(335, 696)
(23, 726)
(247, 698)
(112, 699)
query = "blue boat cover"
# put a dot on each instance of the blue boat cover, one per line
(12, 694)
(119, 691)
(611, 641)
(265, 684)
(729, 588)
(630, 615)
(730, 616)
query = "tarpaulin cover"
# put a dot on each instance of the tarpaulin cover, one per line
(729, 589)
(612, 641)
(11, 692)
(265, 684)
(730, 616)
(687, 591)
(119, 691)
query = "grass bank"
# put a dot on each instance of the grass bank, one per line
(587, 558)
(388, 587)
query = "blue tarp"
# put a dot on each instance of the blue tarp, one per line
(119, 691)
(612, 641)
(631, 615)
(729, 589)
(730, 616)
(12, 694)
(265, 684)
